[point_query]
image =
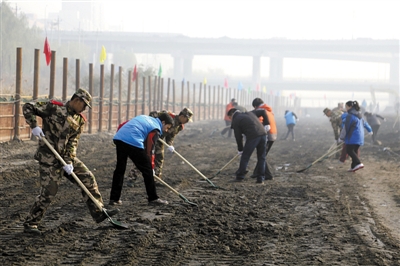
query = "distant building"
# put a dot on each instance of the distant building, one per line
(82, 16)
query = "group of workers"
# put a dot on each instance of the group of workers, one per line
(138, 140)
(348, 128)
(62, 125)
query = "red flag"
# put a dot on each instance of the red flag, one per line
(258, 87)
(226, 83)
(134, 74)
(47, 51)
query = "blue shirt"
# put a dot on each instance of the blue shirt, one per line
(135, 131)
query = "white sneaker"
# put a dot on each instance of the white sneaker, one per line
(358, 167)
(158, 202)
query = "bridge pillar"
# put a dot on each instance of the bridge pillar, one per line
(182, 66)
(187, 67)
(394, 80)
(178, 67)
(276, 68)
(394, 72)
(256, 71)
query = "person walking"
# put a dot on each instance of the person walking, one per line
(136, 140)
(375, 123)
(247, 124)
(227, 120)
(291, 119)
(343, 155)
(272, 133)
(352, 134)
(62, 126)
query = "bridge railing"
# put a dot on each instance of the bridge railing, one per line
(111, 107)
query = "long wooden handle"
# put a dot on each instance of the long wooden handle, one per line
(73, 174)
(180, 156)
(237, 155)
(165, 184)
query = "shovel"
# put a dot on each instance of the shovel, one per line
(223, 131)
(326, 155)
(116, 224)
(226, 165)
(194, 168)
(173, 190)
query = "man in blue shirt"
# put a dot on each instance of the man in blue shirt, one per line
(136, 139)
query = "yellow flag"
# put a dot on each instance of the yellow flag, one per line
(103, 54)
(205, 81)
(264, 89)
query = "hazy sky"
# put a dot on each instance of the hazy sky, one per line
(256, 19)
(292, 19)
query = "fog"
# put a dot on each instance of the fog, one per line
(251, 19)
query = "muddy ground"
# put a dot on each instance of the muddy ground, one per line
(322, 216)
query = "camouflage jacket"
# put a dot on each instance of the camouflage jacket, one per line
(61, 126)
(336, 121)
(174, 130)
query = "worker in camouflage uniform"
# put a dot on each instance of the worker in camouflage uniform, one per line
(62, 127)
(179, 120)
(335, 117)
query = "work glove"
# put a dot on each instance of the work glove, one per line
(267, 128)
(68, 168)
(154, 172)
(370, 133)
(298, 119)
(240, 152)
(171, 149)
(37, 132)
(339, 141)
(384, 119)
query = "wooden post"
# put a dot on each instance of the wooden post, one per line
(209, 102)
(219, 102)
(77, 74)
(194, 100)
(52, 74)
(18, 83)
(137, 93)
(150, 95)
(168, 89)
(101, 95)
(36, 75)
(173, 96)
(213, 105)
(128, 107)
(183, 85)
(65, 79)
(201, 87)
(155, 94)
(119, 95)
(161, 97)
(111, 99)
(144, 95)
(91, 93)
(188, 93)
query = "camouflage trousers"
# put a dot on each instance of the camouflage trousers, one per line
(158, 162)
(50, 178)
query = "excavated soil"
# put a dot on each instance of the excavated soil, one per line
(322, 216)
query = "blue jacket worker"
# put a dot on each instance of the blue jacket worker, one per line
(136, 139)
(291, 119)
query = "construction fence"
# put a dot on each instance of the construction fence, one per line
(112, 106)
